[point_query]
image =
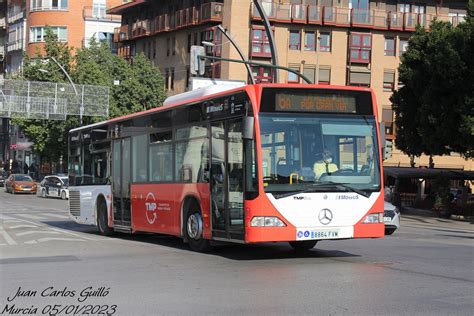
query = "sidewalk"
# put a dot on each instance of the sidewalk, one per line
(429, 213)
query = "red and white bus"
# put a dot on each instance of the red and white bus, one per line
(258, 163)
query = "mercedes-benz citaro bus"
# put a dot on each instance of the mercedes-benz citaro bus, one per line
(252, 164)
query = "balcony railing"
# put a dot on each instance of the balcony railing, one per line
(208, 12)
(15, 45)
(90, 14)
(313, 14)
(15, 14)
(211, 11)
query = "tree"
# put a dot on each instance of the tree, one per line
(141, 87)
(434, 106)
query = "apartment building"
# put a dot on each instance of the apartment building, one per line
(3, 34)
(73, 21)
(339, 42)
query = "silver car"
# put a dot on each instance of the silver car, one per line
(391, 218)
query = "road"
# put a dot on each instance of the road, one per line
(425, 268)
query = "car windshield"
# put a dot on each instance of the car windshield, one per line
(20, 177)
(65, 181)
(307, 151)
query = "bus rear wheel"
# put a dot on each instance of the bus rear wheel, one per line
(102, 220)
(303, 245)
(193, 229)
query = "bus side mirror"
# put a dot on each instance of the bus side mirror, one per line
(248, 127)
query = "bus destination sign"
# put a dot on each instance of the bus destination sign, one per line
(313, 102)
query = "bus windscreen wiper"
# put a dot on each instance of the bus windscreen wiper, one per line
(322, 186)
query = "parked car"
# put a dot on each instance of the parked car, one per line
(3, 178)
(20, 183)
(55, 186)
(391, 218)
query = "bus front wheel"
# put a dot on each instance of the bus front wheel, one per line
(303, 245)
(102, 221)
(193, 228)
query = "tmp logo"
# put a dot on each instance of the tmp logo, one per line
(150, 208)
(301, 198)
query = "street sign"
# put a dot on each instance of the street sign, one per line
(197, 65)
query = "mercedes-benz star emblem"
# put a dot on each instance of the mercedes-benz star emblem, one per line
(325, 216)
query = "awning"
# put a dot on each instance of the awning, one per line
(123, 7)
(427, 173)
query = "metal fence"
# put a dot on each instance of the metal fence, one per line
(49, 100)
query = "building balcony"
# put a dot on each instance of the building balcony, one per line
(15, 45)
(2, 51)
(208, 12)
(121, 33)
(346, 17)
(3, 22)
(15, 14)
(97, 15)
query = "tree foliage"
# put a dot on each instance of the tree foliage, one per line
(434, 107)
(140, 87)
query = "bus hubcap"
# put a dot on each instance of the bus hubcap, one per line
(195, 226)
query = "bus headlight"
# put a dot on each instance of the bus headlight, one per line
(266, 221)
(373, 218)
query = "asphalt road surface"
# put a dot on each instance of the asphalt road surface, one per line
(50, 265)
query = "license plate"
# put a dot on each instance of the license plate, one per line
(387, 219)
(317, 234)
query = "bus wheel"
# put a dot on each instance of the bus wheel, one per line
(102, 220)
(303, 245)
(193, 231)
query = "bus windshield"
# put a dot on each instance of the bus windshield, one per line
(301, 151)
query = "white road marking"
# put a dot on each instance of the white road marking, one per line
(76, 235)
(23, 226)
(56, 238)
(31, 216)
(56, 215)
(4, 217)
(36, 232)
(7, 237)
(31, 242)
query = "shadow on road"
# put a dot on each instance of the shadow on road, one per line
(231, 251)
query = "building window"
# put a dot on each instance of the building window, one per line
(189, 43)
(403, 46)
(37, 34)
(195, 39)
(387, 119)
(360, 47)
(154, 49)
(292, 77)
(168, 46)
(389, 46)
(173, 45)
(295, 40)
(310, 41)
(40, 5)
(188, 76)
(98, 8)
(260, 44)
(324, 75)
(358, 78)
(167, 79)
(389, 80)
(325, 42)
(262, 74)
(172, 79)
(309, 71)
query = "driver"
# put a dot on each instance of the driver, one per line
(325, 165)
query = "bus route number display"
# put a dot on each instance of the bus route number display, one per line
(296, 102)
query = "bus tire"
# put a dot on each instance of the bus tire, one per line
(303, 245)
(193, 229)
(102, 220)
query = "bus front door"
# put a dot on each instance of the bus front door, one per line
(121, 165)
(226, 180)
